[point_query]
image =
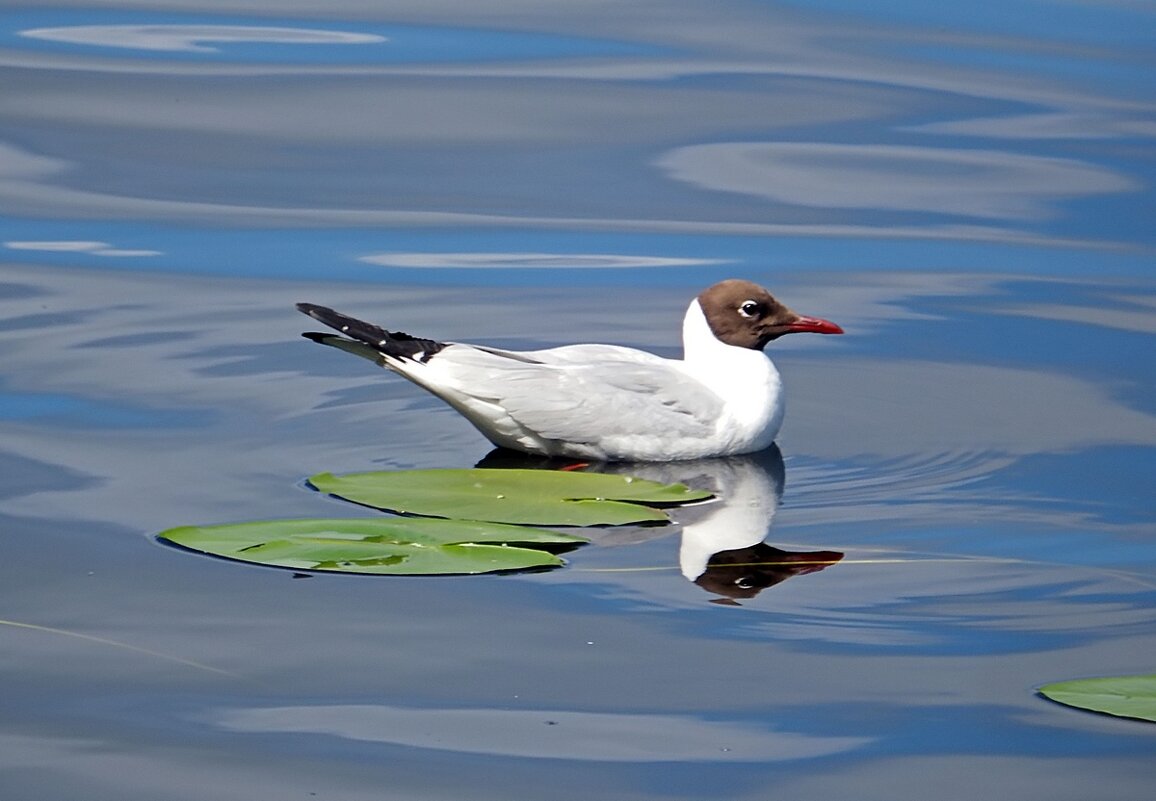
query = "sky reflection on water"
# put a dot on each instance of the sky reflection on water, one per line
(967, 190)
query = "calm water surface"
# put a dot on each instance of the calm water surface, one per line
(968, 191)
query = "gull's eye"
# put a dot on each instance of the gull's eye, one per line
(750, 308)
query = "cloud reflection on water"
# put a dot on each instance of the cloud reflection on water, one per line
(193, 38)
(79, 246)
(516, 261)
(971, 183)
(542, 733)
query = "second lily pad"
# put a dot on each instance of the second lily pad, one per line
(393, 545)
(530, 497)
(1123, 696)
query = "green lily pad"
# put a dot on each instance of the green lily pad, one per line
(396, 546)
(533, 497)
(1123, 696)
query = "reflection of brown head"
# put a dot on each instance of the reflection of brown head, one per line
(745, 572)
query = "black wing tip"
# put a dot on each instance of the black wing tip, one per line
(312, 309)
(358, 329)
(317, 336)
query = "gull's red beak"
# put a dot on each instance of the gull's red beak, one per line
(815, 325)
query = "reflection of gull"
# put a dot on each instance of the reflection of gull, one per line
(747, 492)
(722, 547)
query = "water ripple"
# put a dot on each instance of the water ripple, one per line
(193, 38)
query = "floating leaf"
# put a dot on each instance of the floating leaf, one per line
(1124, 696)
(397, 546)
(537, 497)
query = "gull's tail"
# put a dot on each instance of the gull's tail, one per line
(382, 344)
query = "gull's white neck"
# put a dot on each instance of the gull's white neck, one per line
(745, 379)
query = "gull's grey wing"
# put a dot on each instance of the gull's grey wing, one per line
(563, 396)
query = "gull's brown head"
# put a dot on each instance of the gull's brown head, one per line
(743, 314)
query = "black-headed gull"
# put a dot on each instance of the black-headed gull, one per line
(606, 402)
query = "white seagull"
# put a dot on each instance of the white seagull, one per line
(606, 402)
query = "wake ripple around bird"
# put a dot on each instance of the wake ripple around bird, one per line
(915, 488)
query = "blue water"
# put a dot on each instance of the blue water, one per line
(967, 190)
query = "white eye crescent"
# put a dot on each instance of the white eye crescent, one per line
(749, 308)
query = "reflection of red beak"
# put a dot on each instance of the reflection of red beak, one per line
(815, 325)
(800, 564)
